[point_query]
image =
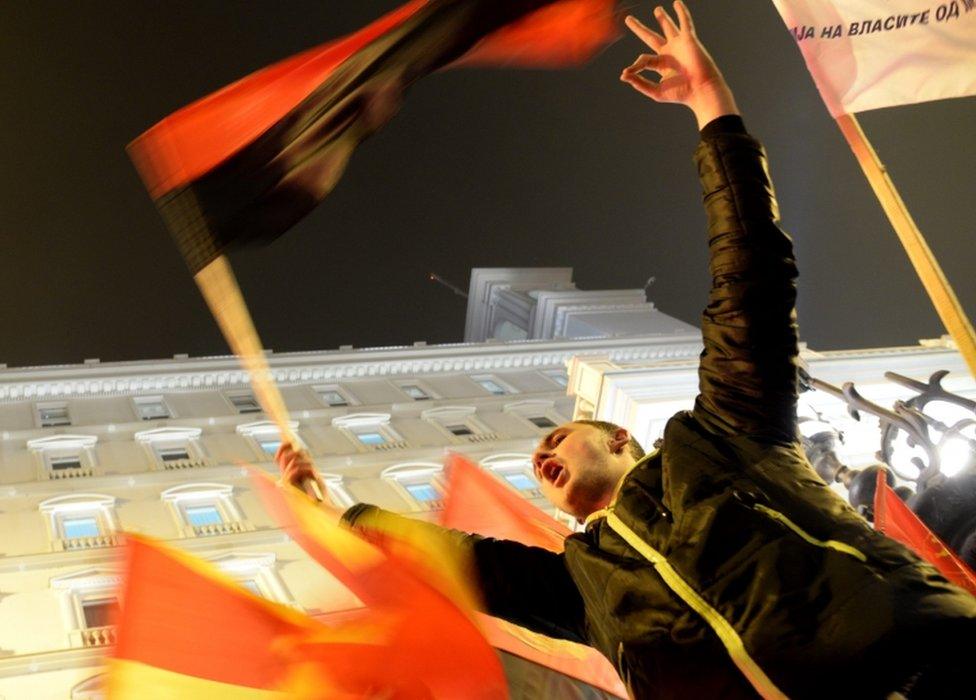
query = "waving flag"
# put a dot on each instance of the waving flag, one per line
(247, 162)
(897, 521)
(424, 633)
(867, 54)
(479, 503)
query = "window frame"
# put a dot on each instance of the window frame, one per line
(40, 406)
(513, 463)
(231, 395)
(528, 409)
(507, 389)
(400, 476)
(98, 506)
(157, 440)
(319, 389)
(353, 425)
(79, 588)
(218, 496)
(139, 401)
(259, 432)
(58, 447)
(443, 417)
(422, 387)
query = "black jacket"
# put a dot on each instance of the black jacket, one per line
(725, 566)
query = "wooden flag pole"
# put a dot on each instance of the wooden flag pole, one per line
(926, 266)
(223, 295)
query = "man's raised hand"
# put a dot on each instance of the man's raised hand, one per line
(687, 73)
(297, 469)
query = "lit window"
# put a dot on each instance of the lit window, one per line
(266, 436)
(252, 586)
(558, 376)
(414, 392)
(370, 430)
(53, 415)
(245, 403)
(523, 482)
(333, 395)
(541, 422)
(370, 438)
(418, 483)
(151, 408)
(80, 521)
(492, 386)
(255, 572)
(460, 430)
(204, 509)
(270, 446)
(425, 493)
(198, 516)
(74, 528)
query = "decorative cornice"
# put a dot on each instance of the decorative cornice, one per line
(223, 373)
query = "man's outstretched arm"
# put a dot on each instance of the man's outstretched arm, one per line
(747, 375)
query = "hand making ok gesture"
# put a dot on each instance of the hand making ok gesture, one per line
(688, 75)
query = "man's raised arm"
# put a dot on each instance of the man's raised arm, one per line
(747, 375)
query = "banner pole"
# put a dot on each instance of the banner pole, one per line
(923, 260)
(219, 287)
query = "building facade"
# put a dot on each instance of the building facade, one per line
(159, 447)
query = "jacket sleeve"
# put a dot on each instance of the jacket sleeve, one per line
(529, 586)
(748, 369)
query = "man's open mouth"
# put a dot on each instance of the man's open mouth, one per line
(554, 473)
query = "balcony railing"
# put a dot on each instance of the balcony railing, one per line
(69, 473)
(482, 437)
(398, 445)
(98, 636)
(186, 464)
(74, 543)
(218, 529)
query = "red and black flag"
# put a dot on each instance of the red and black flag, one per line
(247, 162)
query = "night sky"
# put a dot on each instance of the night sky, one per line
(482, 168)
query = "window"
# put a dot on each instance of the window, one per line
(70, 462)
(336, 491)
(151, 408)
(333, 395)
(419, 483)
(80, 521)
(266, 438)
(172, 454)
(493, 385)
(559, 376)
(99, 612)
(515, 469)
(370, 437)
(52, 415)
(257, 573)
(244, 403)
(173, 447)
(199, 516)
(416, 391)
(89, 605)
(540, 413)
(64, 456)
(370, 431)
(201, 510)
(77, 527)
(459, 422)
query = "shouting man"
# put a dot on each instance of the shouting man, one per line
(720, 565)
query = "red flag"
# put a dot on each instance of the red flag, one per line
(247, 162)
(896, 520)
(411, 590)
(479, 503)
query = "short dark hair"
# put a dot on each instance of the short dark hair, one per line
(636, 451)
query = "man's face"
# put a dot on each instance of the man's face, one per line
(575, 468)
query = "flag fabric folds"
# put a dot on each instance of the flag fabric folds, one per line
(479, 503)
(416, 596)
(896, 520)
(247, 162)
(868, 54)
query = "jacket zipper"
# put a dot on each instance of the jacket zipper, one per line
(726, 633)
(826, 544)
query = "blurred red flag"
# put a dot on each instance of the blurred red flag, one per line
(479, 503)
(896, 520)
(247, 162)
(414, 595)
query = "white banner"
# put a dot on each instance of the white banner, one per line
(866, 54)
